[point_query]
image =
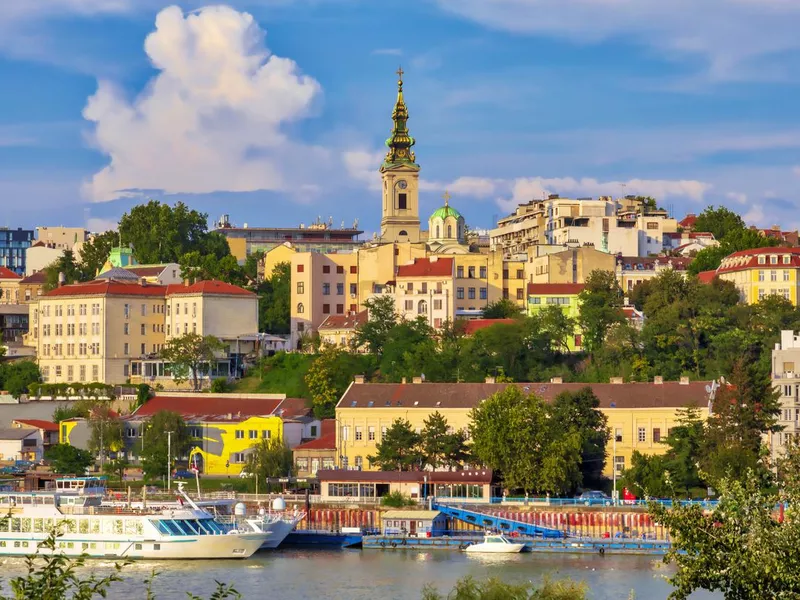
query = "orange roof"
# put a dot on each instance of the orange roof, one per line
(427, 267)
(470, 327)
(146, 271)
(6, 273)
(706, 276)
(325, 442)
(748, 259)
(688, 221)
(217, 407)
(211, 286)
(344, 321)
(38, 423)
(553, 289)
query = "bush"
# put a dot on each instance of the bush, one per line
(220, 386)
(470, 589)
(397, 500)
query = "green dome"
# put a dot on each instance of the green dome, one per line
(446, 211)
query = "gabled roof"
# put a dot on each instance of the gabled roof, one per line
(38, 423)
(349, 321)
(748, 259)
(470, 327)
(146, 270)
(118, 274)
(706, 276)
(555, 289)
(6, 273)
(427, 267)
(211, 286)
(212, 407)
(688, 221)
(326, 442)
(40, 277)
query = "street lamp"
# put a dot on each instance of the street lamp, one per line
(169, 458)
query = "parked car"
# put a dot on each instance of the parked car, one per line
(595, 498)
(183, 474)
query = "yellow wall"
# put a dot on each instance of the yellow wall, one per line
(65, 427)
(628, 420)
(238, 247)
(214, 464)
(278, 254)
(752, 288)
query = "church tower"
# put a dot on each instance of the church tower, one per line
(400, 175)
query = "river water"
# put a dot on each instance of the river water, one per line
(382, 575)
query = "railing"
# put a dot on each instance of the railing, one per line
(577, 502)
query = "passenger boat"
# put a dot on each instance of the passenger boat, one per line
(495, 544)
(87, 527)
(278, 522)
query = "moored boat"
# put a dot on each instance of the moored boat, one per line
(495, 543)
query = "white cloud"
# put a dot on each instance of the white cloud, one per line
(212, 119)
(756, 215)
(472, 187)
(362, 165)
(737, 197)
(388, 51)
(728, 33)
(100, 225)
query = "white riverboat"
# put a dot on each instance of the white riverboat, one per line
(495, 544)
(278, 521)
(87, 527)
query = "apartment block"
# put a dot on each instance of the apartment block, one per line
(786, 380)
(13, 244)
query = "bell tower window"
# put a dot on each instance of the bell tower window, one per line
(402, 202)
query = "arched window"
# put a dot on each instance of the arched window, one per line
(403, 232)
(300, 308)
(460, 231)
(450, 231)
(422, 308)
(437, 232)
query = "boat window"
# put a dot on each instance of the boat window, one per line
(94, 525)
(173, 528)
(15, 524)
(162, 528)
(192, 526)
(38, 526)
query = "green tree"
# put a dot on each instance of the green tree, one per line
(600, 307)
(469, 588)
(157, 440)
(64, 265)
(501, 309)
(116, 467)
(197, 266)
(382, 318)
(329, 376)
(399, 448)
(647, 476)
(16, 377)
(409, 350)
(719, 221)
(580, 411)
(513, 433)
(738, 548)
(95, 253)
(274, 296)
(105, 430)
(160, 233)
(561, 328)
(68, 460)
(270, 457)
(251, 265)
(189, 354)
(441, 446)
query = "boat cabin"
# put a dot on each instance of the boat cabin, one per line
(419, 523)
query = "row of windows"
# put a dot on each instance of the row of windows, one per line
(773, 275)
(156, 327)
(73, 525)
(784, 292)
(773, 259)
(84, 349)
(253, 434)
(156, 348)
(327, 269)
(58, 309)
(58, 330)
(71, 372)
(484, 293)
(325, 463)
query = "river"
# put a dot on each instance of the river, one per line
(382, 575)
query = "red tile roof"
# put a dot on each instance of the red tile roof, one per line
(218, 407)
(146, 271)
(427, 267)
(688, 221)
(38, 423)
(108, 288)
(211, 286)
(344, 321)
(748, 259)
(470, 327)
(555, 289)
(706, 276)
(326, 442)
(328, 426)
(39, 277)
(6, 273)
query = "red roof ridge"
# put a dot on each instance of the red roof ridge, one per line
(324, 442)
(40, 423)
(6, 273)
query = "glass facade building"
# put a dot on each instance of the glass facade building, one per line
(13, 244)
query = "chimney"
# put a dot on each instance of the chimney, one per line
(556, 380)
(61, 279)
(358, 379)
(490, 380)
(416, 380)
(403, 381)
(658, 380)
(615, 380)
(684, 381)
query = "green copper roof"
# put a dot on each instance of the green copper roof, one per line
(446, 211)
(400, 142)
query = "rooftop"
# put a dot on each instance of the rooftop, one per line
(6, 273)
(146, 270)
(477, 476)
(39, 277)
(224, 407)
(211, 286)
(348, 321)
(748, 259)
(133, 287)
(16, 433)
(670, 394)
(38, 423)
(555, 289)
(427, 267)
(326, 442)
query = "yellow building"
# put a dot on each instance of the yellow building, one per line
(761, 272)
(639, 414)
(565, 297)
(556, 264)
(279, 254)
(111, 330)
(9, 286)
(340, 330)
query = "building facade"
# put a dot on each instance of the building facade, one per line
(13, 245)
(9, 286)
(563, 296)
(639, 414)
(762, 272)
(557, 264)
(786, 381)
(340, 330)
(632, 270)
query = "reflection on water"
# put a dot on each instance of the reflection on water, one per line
(371, 574)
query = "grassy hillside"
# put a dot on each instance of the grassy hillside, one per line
(280, 374)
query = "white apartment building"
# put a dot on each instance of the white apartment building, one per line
(786, 379)
(424, 288)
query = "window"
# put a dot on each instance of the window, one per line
(340, 270)
(301, 287)
(449, 231)
(773, 276)
(58, 370)
(326, 309)
(484, 293)
(402, 201)
(460, 272)
(618, 434)
(345, 433)
(326, 268)
(95, 372)
(70, 372)
(762, 260)
(125, 349)
(302, 464)
(144, 310)
(340, 309)
(773, 260)
(652, 225)
(437, 323)
(409, 305)
(353, 270)
(460, 293)
(471, 272)
(371, 433)
(253, 434)
(126, 310)
(326, 289)
(437, 305)
(240, 434)
(642, 434)
(520, 294)
(483, 272)
(422, 308)
(520, 274)
(471, 293)
(266, 434)
(359, 462)
(353, 289)
(301, 268)
(786, 275)
(578, 340)
(359, 434)
(619, 464)
(300, 308)
(143, 330)
(144, 349)
(656, 434)
(340, 289)
(82, 310)
(505, 293)
(82, 373)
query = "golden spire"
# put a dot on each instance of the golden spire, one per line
(400, 142)
(446, 197)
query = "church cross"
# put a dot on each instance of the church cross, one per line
(446, 197)
(400, 72)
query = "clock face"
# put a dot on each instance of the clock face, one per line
(402, 184)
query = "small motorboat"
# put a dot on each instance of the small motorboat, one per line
(496, 544)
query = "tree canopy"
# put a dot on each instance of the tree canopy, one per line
(157, 441)
(68, 460)
(188, 353)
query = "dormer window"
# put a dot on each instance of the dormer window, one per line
(773, 259)
(762, 260)
(787, 259)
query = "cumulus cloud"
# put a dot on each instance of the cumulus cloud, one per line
(472, 187)
(212, 119)
(100, 225)
(362, 165)
(728, 33)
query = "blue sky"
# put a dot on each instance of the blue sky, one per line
(275, 111)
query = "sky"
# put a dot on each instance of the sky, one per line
(275, 112)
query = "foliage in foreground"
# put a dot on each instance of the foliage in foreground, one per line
(397, 499)
(740, 548)
(469, 588)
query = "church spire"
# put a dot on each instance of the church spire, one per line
(400, 142)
